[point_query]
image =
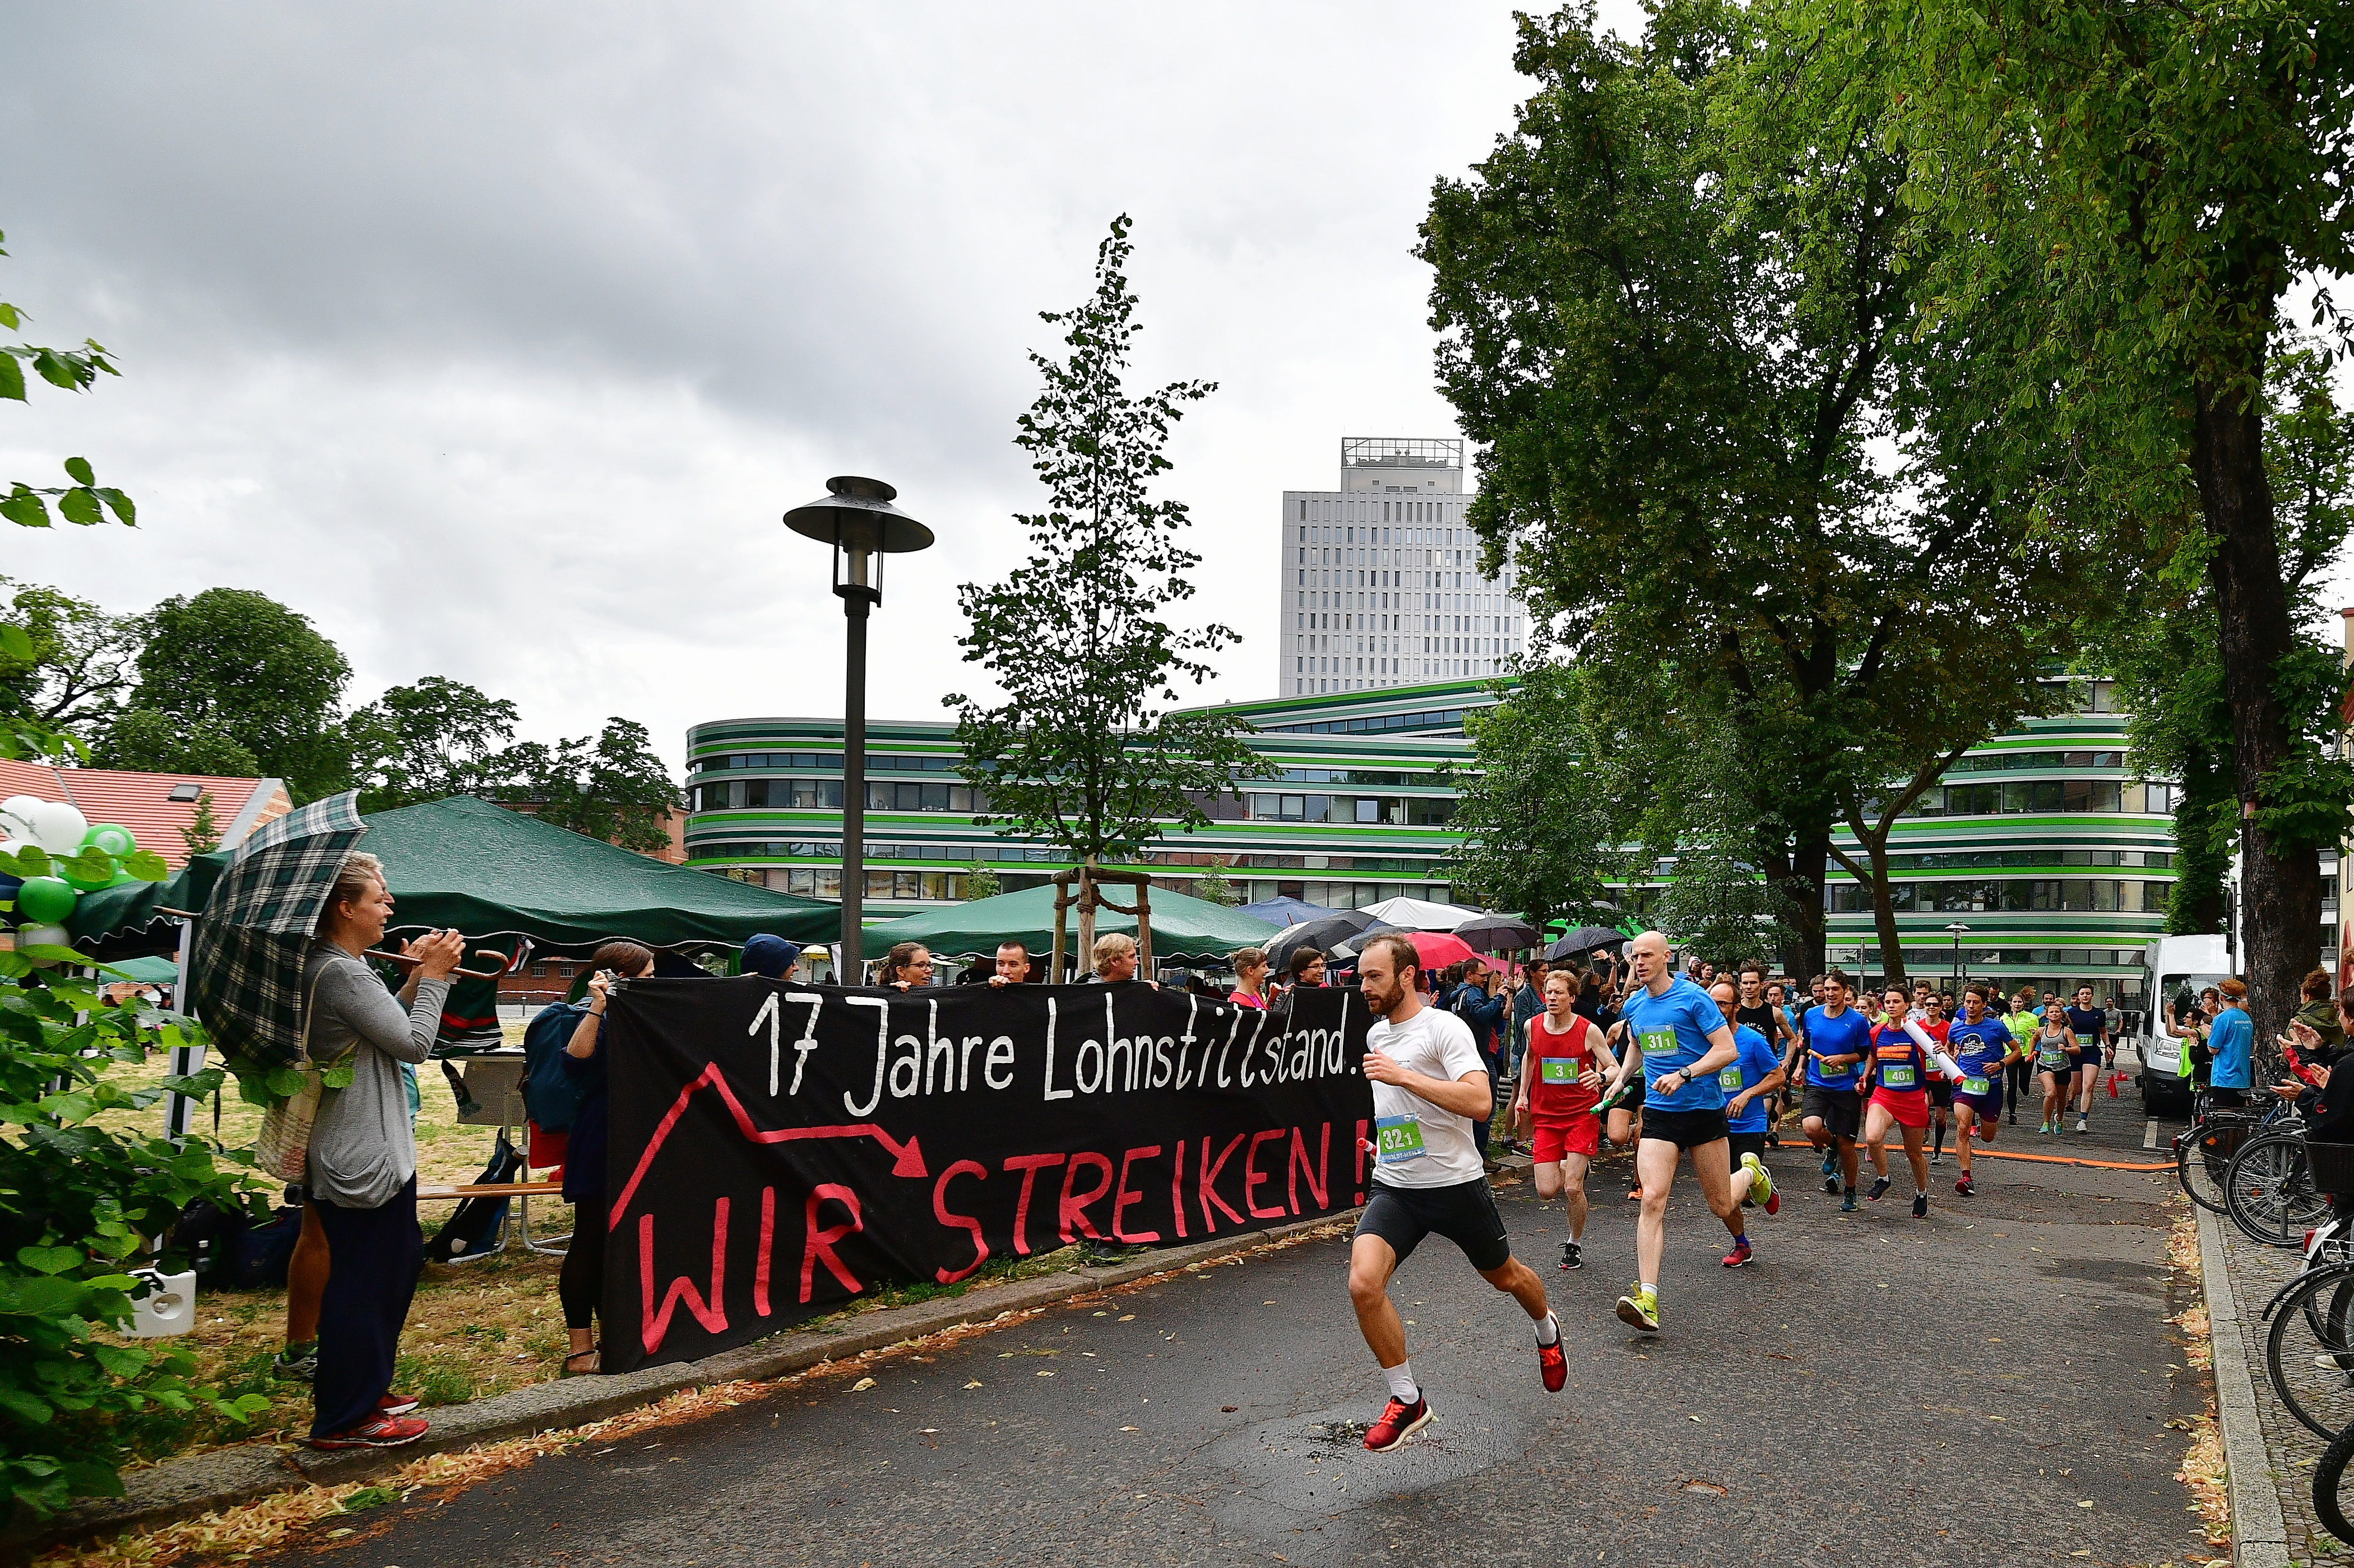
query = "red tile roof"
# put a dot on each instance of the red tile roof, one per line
(141, 801)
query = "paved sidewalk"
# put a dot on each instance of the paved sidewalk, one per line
(2272, 1453)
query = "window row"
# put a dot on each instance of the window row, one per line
(818, 794)
(2036, 761)
(2020, 895)
(876, 762)
(2043, 795)
(1975, 860)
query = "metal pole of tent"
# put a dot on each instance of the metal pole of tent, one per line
(185, 1059)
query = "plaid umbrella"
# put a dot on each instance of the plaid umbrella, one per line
(246, 974)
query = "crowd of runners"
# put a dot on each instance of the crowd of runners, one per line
(1685, 1064)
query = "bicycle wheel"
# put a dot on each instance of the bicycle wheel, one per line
(2268, 1190)
(2330, 1488)
(2202, 1154)
(2309, 1351)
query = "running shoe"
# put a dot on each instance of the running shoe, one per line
(1399, 1421)
(2014, 1118)
(1741, 1255)
(1937, 1157)
(1761, 1184)
(1920, 1206)
(1634, 1194)
(1830, 1162)
(2080, 1125)
(396, 1404)
(1846, 1206)
(382, 1432)
(301, 1368)
(1880, 1185)
(1572, 1256)
(1639, 1308)
(1553, 1364)
(1831, 1182)
(1966, 1187)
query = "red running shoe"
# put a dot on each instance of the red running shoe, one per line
(1553, 1364)
(1774, 1201)
(1741, 1255)
(1965, 1187)
(384, 1432)
(396, 1404)
(1399, 1422)
(1634, 1194)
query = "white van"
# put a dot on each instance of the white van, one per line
(2174, 970)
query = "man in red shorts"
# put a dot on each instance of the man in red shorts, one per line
(1561, 1083)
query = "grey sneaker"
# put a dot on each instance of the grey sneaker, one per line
(297, 1367)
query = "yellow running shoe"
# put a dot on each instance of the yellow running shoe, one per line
(1639, 1308)
(1761, 1184)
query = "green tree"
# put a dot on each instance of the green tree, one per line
(85, 500)
(1212, 886)
(236, 664)
(146, 741)
(1539, 834)
(1084, 750)
(980, 881)
(2165, 176)
(429, 741)
(79, 663)
(203, 833)
(1675, 319)
(609, 786)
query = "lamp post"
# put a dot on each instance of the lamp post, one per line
(1958, 931)
(856, 518)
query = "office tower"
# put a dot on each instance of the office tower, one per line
(1382, 584)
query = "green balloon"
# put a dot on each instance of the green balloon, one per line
(87, 885)
(115, 841)
(124, 879)
(44, 900)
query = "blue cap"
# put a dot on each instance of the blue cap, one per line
(769, 955)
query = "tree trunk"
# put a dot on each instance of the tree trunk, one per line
(2280, 884)
(1087, 953)
(1810, 855)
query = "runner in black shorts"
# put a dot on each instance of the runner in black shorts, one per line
(1429, 1083)
(1837, 1038)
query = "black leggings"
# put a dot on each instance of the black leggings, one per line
(583, 1280)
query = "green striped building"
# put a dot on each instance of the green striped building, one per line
(2042, 841)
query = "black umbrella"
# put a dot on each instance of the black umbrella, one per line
(1350, 947)
(1321, 935)
(1497, 934)
(1584, 939)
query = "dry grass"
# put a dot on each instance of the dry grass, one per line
(2202, 1471)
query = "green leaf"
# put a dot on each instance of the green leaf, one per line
(81, 470)
(124, 511)
(285, 1082)
(25, 1406)
(50, 1259)
(147, 865)
(25, 509)
(8, 317)
(12, 378)
(78, 505)
(68, 1109)
(46, 1296)
(15, 641)
(339, 1076)
(56, 369)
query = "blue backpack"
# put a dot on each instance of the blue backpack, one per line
(551, 1096)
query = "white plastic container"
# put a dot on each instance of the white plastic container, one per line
(169, 1306)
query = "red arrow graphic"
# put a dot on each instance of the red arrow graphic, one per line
(907, 1159)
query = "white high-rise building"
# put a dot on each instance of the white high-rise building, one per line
(1382, 584)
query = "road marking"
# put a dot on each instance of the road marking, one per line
(2149, 1134)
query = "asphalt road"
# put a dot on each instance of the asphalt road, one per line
(1990, 1385)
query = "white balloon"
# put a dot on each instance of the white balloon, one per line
(44, 936)
(59, 828)
(17, 815)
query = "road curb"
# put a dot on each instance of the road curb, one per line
(201, 1483)
(2259, 1534)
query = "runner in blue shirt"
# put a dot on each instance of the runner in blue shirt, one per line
(1982, 1046)
(1837, 1038)
(1754, 1075)
(1680, 1042)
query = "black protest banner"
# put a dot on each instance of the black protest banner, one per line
(776, 1149)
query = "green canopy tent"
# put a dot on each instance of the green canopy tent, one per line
(493, 873)
(1182, 927)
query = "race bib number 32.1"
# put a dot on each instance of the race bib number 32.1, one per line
(1398, 1140)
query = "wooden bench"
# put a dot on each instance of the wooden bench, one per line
(493, 1190)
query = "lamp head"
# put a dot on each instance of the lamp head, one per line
(856, 517)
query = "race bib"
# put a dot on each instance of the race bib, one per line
(1897, 1077)
(1729, 1079)
(1828, 1071)
(1657, 1041)
(1558, 1070)
(2051, 1055)
(1974, 1085)
(1397, 1138)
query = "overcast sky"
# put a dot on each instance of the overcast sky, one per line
(496, 338)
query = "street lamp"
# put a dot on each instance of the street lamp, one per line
(856, 518)
(1958, 931)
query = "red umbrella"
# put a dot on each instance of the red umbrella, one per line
(1439, 948)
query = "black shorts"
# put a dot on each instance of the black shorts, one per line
(1747, 1143)
(1685, 1128)
(1464, 1214)
(1839, 1110)
(1941, 1091)
(1633, 1103)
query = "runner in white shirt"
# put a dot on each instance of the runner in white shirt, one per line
(1430, 1084)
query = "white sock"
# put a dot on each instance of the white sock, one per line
(1401, 1381)
(1548, 1330)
